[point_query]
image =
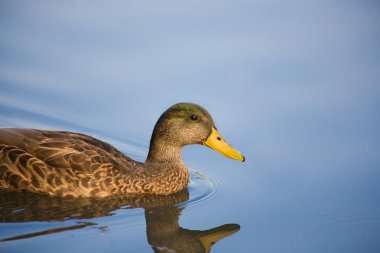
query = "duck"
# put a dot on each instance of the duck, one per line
(68, 164)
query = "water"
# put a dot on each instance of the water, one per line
(293, 85)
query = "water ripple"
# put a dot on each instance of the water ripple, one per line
(201, 189)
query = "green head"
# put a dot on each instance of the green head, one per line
(187, 123)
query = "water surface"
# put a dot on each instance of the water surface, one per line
(293, 85)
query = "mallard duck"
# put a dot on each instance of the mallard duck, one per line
(71, 164)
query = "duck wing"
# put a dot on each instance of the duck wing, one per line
(53, 158)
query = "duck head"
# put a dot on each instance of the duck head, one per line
(185, 124)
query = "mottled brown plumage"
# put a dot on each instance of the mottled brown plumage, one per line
(70, 164)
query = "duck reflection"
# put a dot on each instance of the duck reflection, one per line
(161, 213)
(165, 235)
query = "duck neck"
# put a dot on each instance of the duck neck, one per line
(161, 151)
(165, 159)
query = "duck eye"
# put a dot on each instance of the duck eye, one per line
(193, 117)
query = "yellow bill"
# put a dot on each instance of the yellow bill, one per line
(211, 236)
(216, 142)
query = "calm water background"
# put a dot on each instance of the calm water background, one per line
(294, 85)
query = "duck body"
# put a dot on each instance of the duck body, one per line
(71, 164)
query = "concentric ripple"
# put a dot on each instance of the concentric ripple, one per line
(201, 188)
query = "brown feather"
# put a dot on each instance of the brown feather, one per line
(71, 164)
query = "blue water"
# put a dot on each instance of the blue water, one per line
(293, 85)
